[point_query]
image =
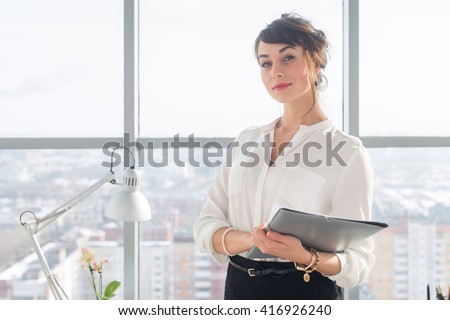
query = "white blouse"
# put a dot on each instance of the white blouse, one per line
(323, 171)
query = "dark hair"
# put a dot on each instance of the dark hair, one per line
(292, 29)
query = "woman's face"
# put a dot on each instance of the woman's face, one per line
(284, 71)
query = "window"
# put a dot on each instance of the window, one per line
(403, 69)
(62, 68)
(198, 73)
(411, 192)
(41, 181)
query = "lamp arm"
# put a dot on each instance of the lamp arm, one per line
(57, 290)
(38, 224)
(33, 227)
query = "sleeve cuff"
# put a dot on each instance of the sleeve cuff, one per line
(217, 257)
(343, 261)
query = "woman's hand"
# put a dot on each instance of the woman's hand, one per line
(283, 246)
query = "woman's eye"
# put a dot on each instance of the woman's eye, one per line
(288, 58)
(265, 64)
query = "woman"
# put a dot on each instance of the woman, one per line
(311, 166)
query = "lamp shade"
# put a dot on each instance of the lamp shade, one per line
(129, 204)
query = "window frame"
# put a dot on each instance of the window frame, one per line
(350, 123)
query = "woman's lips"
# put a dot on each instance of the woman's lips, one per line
(281, 86)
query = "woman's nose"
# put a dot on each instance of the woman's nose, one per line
(277, 71)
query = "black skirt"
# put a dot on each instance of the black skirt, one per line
(239, 285)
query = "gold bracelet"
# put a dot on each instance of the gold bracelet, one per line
(311, 267)
(304, 267)
(314, 267)
(316, 262)
(223, 241)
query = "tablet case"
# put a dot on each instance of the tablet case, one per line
(321, 232)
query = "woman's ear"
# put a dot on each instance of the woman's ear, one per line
(317, 68)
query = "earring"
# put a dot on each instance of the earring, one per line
(316, 83)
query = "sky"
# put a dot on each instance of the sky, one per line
(61, 66)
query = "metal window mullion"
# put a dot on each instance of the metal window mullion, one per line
(131, 85)
(350, 79)
(351, 67)
(56, 143)
(406, 142)
(157, 143)
(166, 142)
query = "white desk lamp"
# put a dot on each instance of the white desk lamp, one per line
(128, 205)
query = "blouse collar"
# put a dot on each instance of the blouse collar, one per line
(302, 128)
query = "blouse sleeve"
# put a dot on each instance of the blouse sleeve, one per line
(213, 216)
(353, 200)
